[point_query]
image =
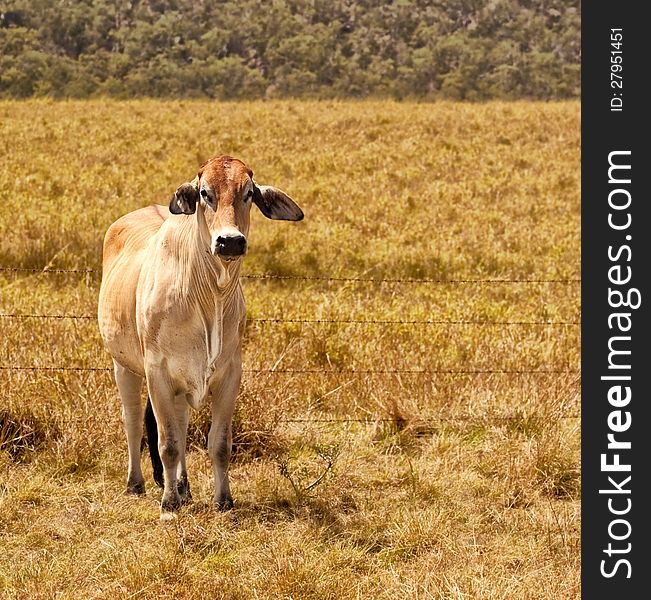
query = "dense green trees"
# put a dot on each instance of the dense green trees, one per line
(461, 49)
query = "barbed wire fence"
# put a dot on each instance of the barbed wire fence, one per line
(425, 280)
(336, 321)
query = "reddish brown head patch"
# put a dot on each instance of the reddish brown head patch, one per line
(225, 174)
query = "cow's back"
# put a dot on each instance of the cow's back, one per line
(125, 250)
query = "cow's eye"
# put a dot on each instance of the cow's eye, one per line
(249, 194)
(204, 193)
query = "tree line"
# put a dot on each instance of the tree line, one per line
(246, 49)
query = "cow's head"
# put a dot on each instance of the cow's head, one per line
(225, 188)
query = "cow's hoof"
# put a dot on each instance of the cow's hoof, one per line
(167, 516)
(225, 504)
(170, 503)
(136, 488)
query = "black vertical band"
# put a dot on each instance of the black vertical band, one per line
(616, 244)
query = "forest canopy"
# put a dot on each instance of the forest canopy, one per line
(246, 49)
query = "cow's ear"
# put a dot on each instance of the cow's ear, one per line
(275, 204)
(184, 201)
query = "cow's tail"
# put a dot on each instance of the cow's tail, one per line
(152, 442)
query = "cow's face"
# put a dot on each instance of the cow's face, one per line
(225, 188)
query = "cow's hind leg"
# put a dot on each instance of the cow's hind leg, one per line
(152, 441)
(129, 385)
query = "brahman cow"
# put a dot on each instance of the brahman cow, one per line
(171, 311)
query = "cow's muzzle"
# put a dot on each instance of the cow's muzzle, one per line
(230, 247)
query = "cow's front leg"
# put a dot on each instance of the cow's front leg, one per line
(163, 402)
(220, 438)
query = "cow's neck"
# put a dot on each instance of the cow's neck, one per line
(204, 285)
(222, 277)
(202, 277)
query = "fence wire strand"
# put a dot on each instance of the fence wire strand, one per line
(357, 279)
(371, 420)
(331, 371)
(267, 320)
(415, 424)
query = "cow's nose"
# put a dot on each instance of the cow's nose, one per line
(230, 245)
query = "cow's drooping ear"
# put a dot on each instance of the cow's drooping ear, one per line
(184, 201)
(275, 204)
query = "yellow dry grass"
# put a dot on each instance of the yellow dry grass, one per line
(449, 486)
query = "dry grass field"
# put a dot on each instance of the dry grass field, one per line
(354, 477)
